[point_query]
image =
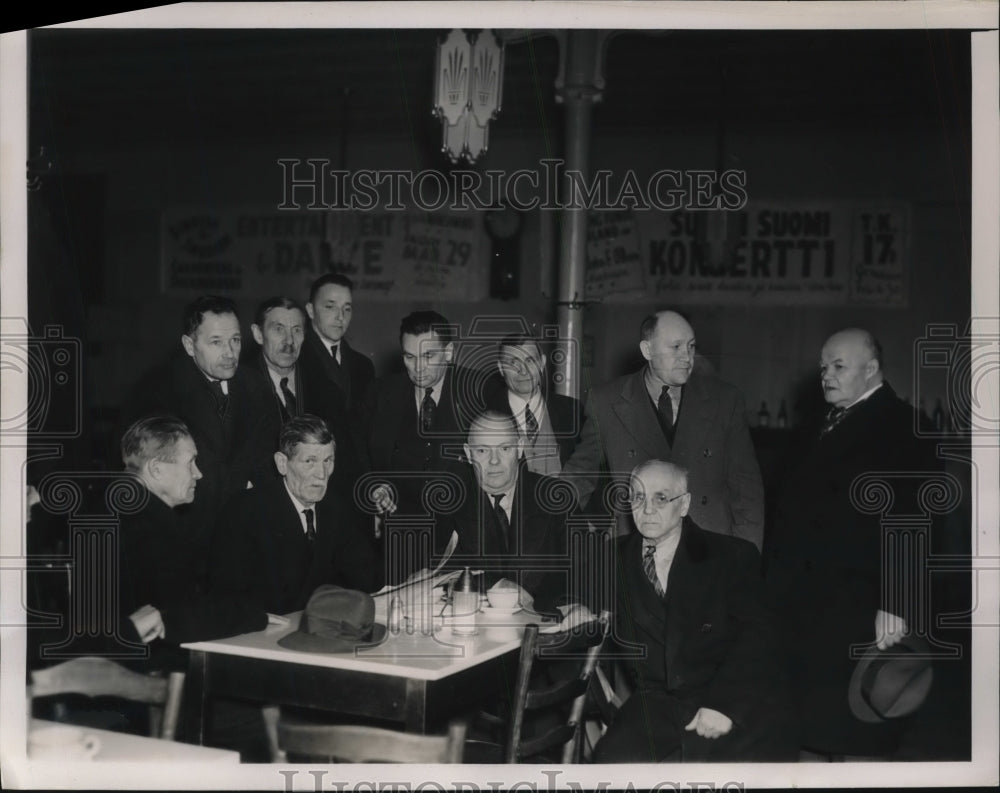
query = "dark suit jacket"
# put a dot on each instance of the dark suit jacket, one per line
(398, 446)
(824, 560)
(711, 440)
(565, 413)
(163, 562)
(261, 551)
(536, 554)
(231, 450)
(336, 394)
(256, 368)
(710, 641)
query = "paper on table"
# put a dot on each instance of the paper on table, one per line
(452, 544)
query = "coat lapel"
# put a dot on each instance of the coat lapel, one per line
(685, 586)
(695, 415)
(637, 418)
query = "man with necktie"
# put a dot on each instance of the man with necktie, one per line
(824, 557)
(224, 408)
(667, 410)
(335, 377)
(420, 417)
(549, 423)
(278, 542)
(699, 643)
(279, 329)
(511, 522)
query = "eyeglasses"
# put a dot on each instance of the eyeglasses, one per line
(660, 500)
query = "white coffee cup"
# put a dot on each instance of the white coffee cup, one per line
(503, 599)
(62, 742)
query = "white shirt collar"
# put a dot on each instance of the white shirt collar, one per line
(865, 395)
(277, 378)
(435, 393)
(299, 506)
(518, 402)
(224, 383)
(507, 500)
(328, 343)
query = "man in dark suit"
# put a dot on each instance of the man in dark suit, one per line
(224, 409)
(667, 411)
(280, 541)
(336, 377)
(824, 560)
(689, 609)
(279, 330)
(511, 522)
(420, 418)
(163, 572)
(549, 423)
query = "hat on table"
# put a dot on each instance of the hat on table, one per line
(335, 620)
(891, 683)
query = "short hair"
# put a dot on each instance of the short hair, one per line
(419, 322)
(519, 340)
(194, 312)
(494, 416)
(337, 279)
(303, 429)
(874, 347)
(152, 438)
(275, 302)
(648, 326)
(676, 470)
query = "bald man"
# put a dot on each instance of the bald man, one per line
(708, 686)
(669, 411)
(824, 555)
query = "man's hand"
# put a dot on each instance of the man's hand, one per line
(148, 623)
(573, 615)
(383, 501)
(889, 629)
(710, 723)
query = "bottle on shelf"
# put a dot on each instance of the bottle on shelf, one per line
(763, 415)
(782, 416)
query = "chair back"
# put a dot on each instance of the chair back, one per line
(351, 743)
(584, 643)
(98, 677)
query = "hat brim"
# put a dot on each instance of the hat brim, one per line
(308, 643)
(856, 700)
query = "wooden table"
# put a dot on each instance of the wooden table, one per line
(414, 679)
(119, 747)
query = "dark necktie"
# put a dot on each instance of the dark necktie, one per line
(833, 418)
(649, 567)
(333, 354)
(221, 398)
(289, 397)
(310, 525)
(665, 409)
(427, 410)
(502, 520)
(530, 424)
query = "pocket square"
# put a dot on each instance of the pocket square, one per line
(706, 627)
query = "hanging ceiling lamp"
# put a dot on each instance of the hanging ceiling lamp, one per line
(468, 87)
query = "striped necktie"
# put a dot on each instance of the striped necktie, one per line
(649, 567)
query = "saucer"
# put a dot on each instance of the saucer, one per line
(489, 610)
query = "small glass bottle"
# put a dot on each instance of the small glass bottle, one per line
(464, 605)
(782, 416)
(395, 614)
(763, 415)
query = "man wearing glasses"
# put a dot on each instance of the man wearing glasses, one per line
(706, 687)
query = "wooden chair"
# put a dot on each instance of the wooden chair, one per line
(586, 641)
(97, 677)
(351, 743)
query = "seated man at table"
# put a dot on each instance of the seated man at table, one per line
(163, 576)
(277, 542)
(504, 524)
(706, 688)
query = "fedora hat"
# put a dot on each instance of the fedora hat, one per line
(892, 683)
(335, 620)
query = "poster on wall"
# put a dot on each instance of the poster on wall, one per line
(390, 255)
(765, 254)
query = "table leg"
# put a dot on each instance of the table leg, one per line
(197, 694)
(416, 706)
